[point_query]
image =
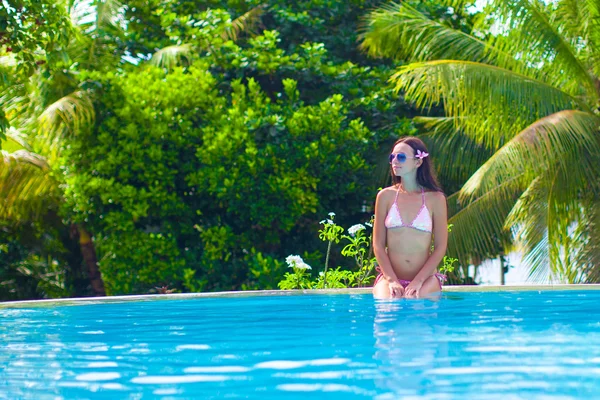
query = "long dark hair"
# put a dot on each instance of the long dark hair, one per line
(425, 173)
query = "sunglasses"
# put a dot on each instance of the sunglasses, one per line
(401, 157)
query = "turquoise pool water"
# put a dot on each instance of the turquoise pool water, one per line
(507, 345)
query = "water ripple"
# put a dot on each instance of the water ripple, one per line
(472, 345)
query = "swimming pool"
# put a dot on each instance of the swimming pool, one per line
(468, 345)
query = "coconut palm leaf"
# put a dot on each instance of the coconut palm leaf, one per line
(402, 32)
(67, 115)
(96, 15)
(499, 102)
(172, 56)
(456, 156)
(245, 23)
(566, 141)
(97, 21)
(590, 224)
(541, 221)
(527, 29)
(478, 225)
(26, 187)
(580, 19)
(558, 155)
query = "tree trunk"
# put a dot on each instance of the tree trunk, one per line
(89, 257)
(502, 276)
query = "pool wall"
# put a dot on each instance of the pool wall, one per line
(250, 293)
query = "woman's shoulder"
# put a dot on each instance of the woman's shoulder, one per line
(435, 194)
(386, 195)
(388, 191)
(435, 198)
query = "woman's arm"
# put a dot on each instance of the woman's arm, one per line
(380, 236)
(439, 214)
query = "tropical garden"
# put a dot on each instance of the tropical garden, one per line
(159, 146)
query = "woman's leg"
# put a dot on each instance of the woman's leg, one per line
(381, 289)
(431, 287)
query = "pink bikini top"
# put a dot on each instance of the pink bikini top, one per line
(422, 221)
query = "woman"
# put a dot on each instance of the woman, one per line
(407, 216)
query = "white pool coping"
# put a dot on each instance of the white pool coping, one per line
(256, 293)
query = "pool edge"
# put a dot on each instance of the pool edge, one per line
(258, 293)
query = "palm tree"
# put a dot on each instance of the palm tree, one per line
(45, 113)
(523, 84)
(42, 115)
(231, 29)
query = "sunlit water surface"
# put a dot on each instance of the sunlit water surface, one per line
(509, 345)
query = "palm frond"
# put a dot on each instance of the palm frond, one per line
(27, 188)
(559, 155)
(499, 102)
(566, 141)
(24, 157)
(400, 31)
(456, 155)
(537, 261)
(580, 20)
(99, 22)
(457, 4)
(15, 140)
(478, 225)
(527, 31)
(67, 115)
(8, 64)
(247, 22)
(590, 225)
(96, 15)
(171, 56)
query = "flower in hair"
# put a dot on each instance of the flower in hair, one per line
(421, 154)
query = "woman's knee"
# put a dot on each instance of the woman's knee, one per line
(430, 286)
(381, 290)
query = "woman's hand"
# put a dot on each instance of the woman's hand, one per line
(396, 289)
(413, 289)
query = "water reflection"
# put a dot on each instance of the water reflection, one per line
(407, 343)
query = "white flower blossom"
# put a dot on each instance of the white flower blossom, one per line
(303, 265)
(292, 260)
(296, 262)
(355, 228)
(370, 225)
(326, 222)
(331, 214)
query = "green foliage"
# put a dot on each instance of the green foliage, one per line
(448, 265)
(135, 262)
(360, 249)
(37, 262)
(264, 271)
(202, 171)
(299, 278)
(211, 176)
(337, 278)
(330, 233)
(518, 84)
(34, 32)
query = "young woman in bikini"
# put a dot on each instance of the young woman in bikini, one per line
(408, 215)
